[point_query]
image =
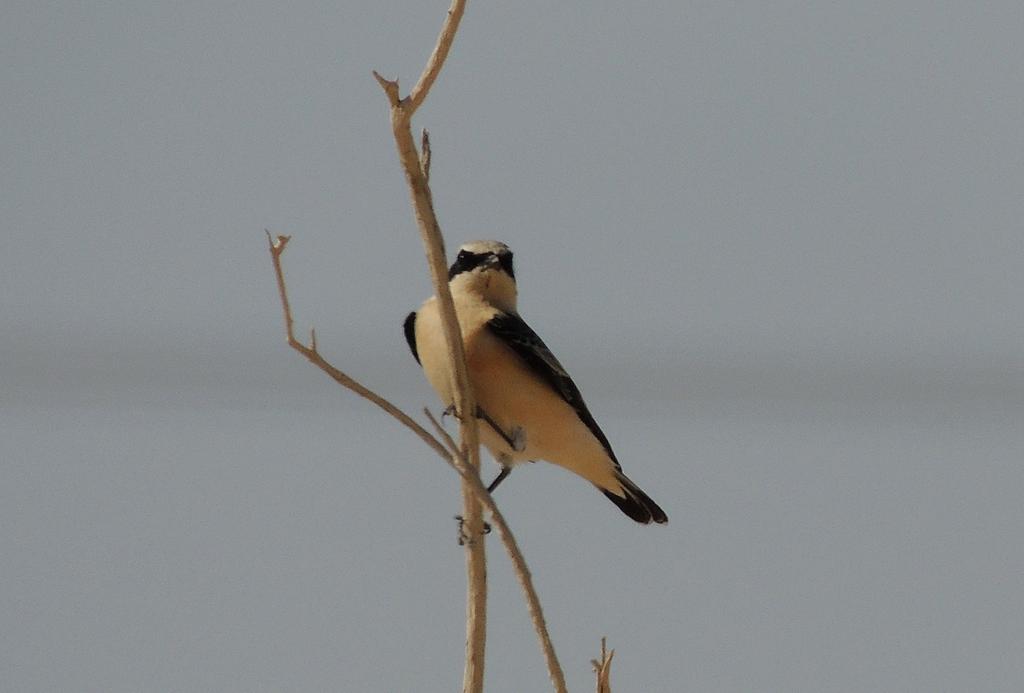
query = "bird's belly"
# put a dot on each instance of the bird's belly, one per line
(512, 396)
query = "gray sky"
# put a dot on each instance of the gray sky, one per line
(778, 245)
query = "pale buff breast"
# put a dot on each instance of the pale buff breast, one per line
(511, 394)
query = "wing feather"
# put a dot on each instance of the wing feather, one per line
(526, 343)
(410, 334)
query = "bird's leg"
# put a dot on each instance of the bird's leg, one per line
(516, 440)
(505, 471)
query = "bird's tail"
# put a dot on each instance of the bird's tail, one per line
(635, 503)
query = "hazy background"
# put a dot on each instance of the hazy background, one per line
(778, 244)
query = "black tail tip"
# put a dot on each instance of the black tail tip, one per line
(637, 505)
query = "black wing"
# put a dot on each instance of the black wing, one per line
(410, 334)
(514, 331)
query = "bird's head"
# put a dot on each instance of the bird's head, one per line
(485, 268)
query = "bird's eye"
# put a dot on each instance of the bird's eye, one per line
(464, 262)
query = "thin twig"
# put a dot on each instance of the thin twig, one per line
(441, 433)
(310, 352)
(603, 669)
(438, 56)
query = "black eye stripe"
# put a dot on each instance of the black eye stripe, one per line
(506, 263)
(467, 261)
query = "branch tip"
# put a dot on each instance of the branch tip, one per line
(438, 56)
(603, 668)
(390, 88)
(276, 245)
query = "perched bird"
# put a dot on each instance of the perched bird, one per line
(530, 409)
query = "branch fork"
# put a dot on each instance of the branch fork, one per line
(448, 450)
(464, 457)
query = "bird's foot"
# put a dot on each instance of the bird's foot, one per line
(463, 538)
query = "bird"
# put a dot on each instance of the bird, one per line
(530, 408)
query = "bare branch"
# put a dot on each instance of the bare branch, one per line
(603, 669)
(417, 173)
(464, 460)
(438, 56)
(402, 111)
(472, 479)
(522, 575)
(276, 248)
(311, 354)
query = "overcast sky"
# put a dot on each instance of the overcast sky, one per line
(708, 202)
(757, 177)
